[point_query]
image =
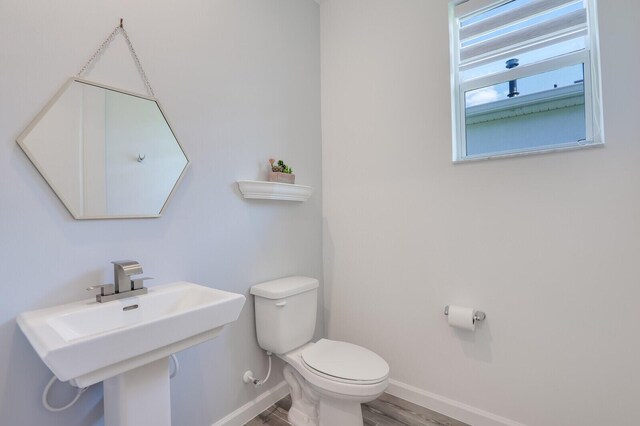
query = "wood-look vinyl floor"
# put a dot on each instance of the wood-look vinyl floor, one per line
(387, 410)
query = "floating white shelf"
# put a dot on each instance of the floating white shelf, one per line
(257, 189)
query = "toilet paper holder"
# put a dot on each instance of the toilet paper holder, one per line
(477, 315)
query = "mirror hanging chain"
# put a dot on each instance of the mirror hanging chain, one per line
(105, 45)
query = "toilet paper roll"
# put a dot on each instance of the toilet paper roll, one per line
(461, 317)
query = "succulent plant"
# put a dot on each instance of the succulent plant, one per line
(280, 167)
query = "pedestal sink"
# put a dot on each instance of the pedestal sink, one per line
(126, 344)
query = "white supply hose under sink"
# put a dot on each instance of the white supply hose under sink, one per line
(47, 388)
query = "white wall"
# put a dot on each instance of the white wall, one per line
(547, 245)
(239, 80)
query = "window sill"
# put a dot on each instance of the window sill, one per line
(526, 152)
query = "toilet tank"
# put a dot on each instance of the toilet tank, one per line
(285, 313)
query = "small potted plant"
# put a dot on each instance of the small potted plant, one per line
(280, 172)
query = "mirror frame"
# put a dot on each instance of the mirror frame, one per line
(21, 142)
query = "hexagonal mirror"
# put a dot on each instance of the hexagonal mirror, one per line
(105, 152)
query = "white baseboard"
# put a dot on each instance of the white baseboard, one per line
(449, 407)
(254, 407)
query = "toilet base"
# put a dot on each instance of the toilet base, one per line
(336, 412)
(304, 402)
(311, 406)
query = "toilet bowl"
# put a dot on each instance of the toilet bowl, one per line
(329, 379)
(336, 399)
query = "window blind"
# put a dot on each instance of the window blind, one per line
(522, 26)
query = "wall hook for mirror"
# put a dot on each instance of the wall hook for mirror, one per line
(141, 158)
(121, 23)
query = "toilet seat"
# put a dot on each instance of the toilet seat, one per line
(332, 386)
(344, 362)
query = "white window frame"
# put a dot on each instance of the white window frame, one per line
(589, 57)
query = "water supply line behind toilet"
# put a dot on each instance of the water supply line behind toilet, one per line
(248, 377)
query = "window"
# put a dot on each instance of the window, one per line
(525, 77)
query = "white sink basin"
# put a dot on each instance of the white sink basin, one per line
(87, 342)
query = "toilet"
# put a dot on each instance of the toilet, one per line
(329, 379)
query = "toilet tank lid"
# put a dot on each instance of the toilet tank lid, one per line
(284, 287)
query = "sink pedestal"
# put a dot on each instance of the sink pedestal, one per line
(139, 397)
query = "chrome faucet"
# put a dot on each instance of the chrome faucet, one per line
(124, 285)
(122, 272)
